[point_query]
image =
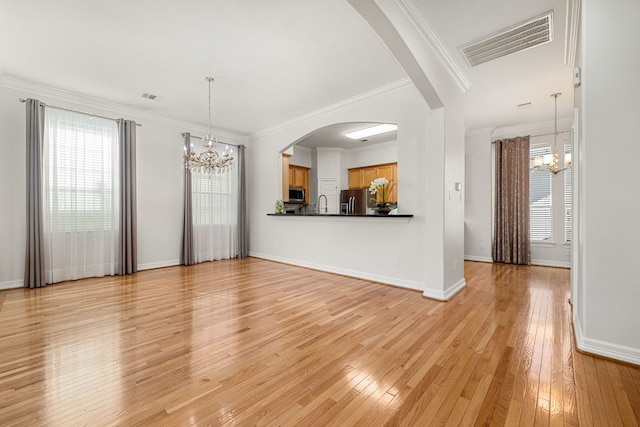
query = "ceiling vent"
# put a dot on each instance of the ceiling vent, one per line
(150, 96)
(528, 34)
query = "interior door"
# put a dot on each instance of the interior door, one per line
(329, 187)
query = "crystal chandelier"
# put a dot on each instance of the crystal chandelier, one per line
(550, 162)
(209, 160)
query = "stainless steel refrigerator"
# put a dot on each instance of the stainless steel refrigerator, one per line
(355, 202)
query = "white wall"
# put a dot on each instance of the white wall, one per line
(359, 247)
(12, 189)
(478, 216)
(159, 182)
(606, 315)
(442, 87)
(375, 154)
(301, 156)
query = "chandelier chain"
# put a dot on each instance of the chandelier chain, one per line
(550, 162)
(209, 160)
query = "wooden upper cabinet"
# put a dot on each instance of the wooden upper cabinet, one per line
(299, 178)
(387, 171)
(362, 177)
(368, 175)
(355, 178)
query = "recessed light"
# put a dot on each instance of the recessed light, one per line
(372, 130)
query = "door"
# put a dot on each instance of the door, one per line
(329, 187)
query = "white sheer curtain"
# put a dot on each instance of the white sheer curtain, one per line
(80, 173)
(215, 215)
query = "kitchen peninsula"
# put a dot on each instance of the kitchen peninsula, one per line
(342, 215)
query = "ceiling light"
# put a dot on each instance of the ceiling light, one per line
(209, 160)
(370, 131)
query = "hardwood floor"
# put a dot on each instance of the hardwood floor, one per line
(251, 342)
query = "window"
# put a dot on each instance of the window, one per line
(80, 171)
(214, 206)
(211, 198)
(539, 198)
(568, 179)
(80, 174)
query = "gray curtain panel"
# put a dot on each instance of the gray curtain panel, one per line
(511, 243)
(243, 220)
(187, 252)
(127, 251)
(34, 271)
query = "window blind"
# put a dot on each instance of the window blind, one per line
(81, 179)
(568, 199)
(539, 198)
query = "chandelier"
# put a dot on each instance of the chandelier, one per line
(550, 162)
(209, 160)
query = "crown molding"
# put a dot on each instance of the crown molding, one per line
(480, 131)
(564, 124)
(571, 31)
(76, 99)
(411, 11)
(399, 84)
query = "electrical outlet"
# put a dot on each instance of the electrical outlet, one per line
(482, 245)
(396, 263)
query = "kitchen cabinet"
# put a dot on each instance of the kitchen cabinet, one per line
(299, 178)
(355, 178)
(362, 177)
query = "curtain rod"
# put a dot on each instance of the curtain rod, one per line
(81, 112)
(542, 134)
(199, 137)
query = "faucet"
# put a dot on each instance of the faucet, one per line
(326, 207)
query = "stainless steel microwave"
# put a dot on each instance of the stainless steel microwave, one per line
(296, 195)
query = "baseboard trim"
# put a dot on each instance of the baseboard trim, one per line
(478, 258)
(12, 284)
(603, 348)
(449, 293)
(162, 264)
(408, 284)
(540, 262)
(547, 263)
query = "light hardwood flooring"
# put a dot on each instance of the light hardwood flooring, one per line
(251, 342)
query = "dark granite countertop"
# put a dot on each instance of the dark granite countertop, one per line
(344, 215)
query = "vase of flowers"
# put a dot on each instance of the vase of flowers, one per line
(381, 188)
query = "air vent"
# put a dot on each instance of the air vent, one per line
(149, 96)
(534, 32)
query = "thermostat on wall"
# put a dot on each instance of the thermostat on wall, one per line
(576, 77)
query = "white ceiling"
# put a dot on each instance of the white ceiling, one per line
(272, 60)
(335, 136)
(498, 86)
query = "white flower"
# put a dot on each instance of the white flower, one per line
(377, 184)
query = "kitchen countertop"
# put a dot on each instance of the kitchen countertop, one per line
(345, 215)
